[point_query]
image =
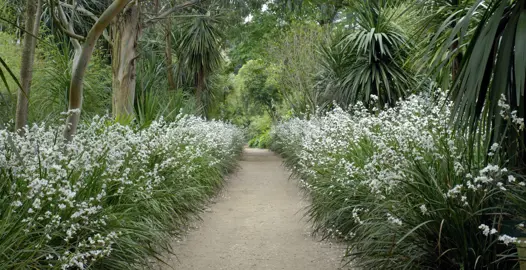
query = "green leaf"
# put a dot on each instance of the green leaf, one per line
(4, 64)
(520, 56)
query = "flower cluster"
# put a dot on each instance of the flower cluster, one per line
(382, 143)
(64, 199)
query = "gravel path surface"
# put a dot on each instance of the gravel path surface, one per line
(256, 223)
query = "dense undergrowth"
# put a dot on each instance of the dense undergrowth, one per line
(113, 197)
(403, 190)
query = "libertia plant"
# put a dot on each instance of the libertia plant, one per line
(112, 198)
(405, 191)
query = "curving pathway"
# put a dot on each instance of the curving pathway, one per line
(257, 223)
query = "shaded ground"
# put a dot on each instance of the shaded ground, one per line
(256, 223)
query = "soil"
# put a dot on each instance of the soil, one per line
(257, 222)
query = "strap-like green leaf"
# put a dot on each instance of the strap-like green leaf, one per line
(4, 64)
(520, 56)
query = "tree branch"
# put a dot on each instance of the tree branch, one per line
(89, 14)
(167, 13)
(71, 27)
(81, 64)
(62, 22)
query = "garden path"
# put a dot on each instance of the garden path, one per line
(256, 223)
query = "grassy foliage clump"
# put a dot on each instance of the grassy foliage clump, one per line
(112, 198)
(404, 190)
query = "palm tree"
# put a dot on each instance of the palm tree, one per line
(199, 50)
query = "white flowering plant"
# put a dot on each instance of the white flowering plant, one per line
(113, 197)
(403, 189)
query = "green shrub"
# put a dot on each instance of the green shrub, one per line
(259, 131)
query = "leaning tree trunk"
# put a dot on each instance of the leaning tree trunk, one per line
(125, 31)
(168, 54)
(34, 10)
(81, 64)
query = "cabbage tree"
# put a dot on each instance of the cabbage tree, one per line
(369, 60)
(199, 50)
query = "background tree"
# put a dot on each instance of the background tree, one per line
(199, 50)
(259, 87)
(83, 53)
(33, 12)
(125, 31)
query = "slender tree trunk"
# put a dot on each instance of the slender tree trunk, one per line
(168, 53)
(199, 89)
(81, 64)
(34, 10)
(455, 66)
(125, 32)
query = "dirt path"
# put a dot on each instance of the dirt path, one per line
(257, 223)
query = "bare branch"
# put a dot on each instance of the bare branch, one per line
(71, 18)
(89, 14)
(167, 13)
(71, 27)
(63, 23)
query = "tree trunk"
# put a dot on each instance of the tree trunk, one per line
(199, 90)
(81, 64)
(125, 31)
(34, 10)
(168, 52)
(455, 66)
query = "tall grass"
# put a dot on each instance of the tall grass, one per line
(113, 198)
(402, 189)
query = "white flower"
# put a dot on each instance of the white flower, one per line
(501, 186)
(485, 229)
(394, 220)
(17, 203)
(508, 239)
(454, 191)
(494, 147)
(423, 209)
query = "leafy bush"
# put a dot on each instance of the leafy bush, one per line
(401, 188)
(261, 140)
(113, 197)
(259, 131)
